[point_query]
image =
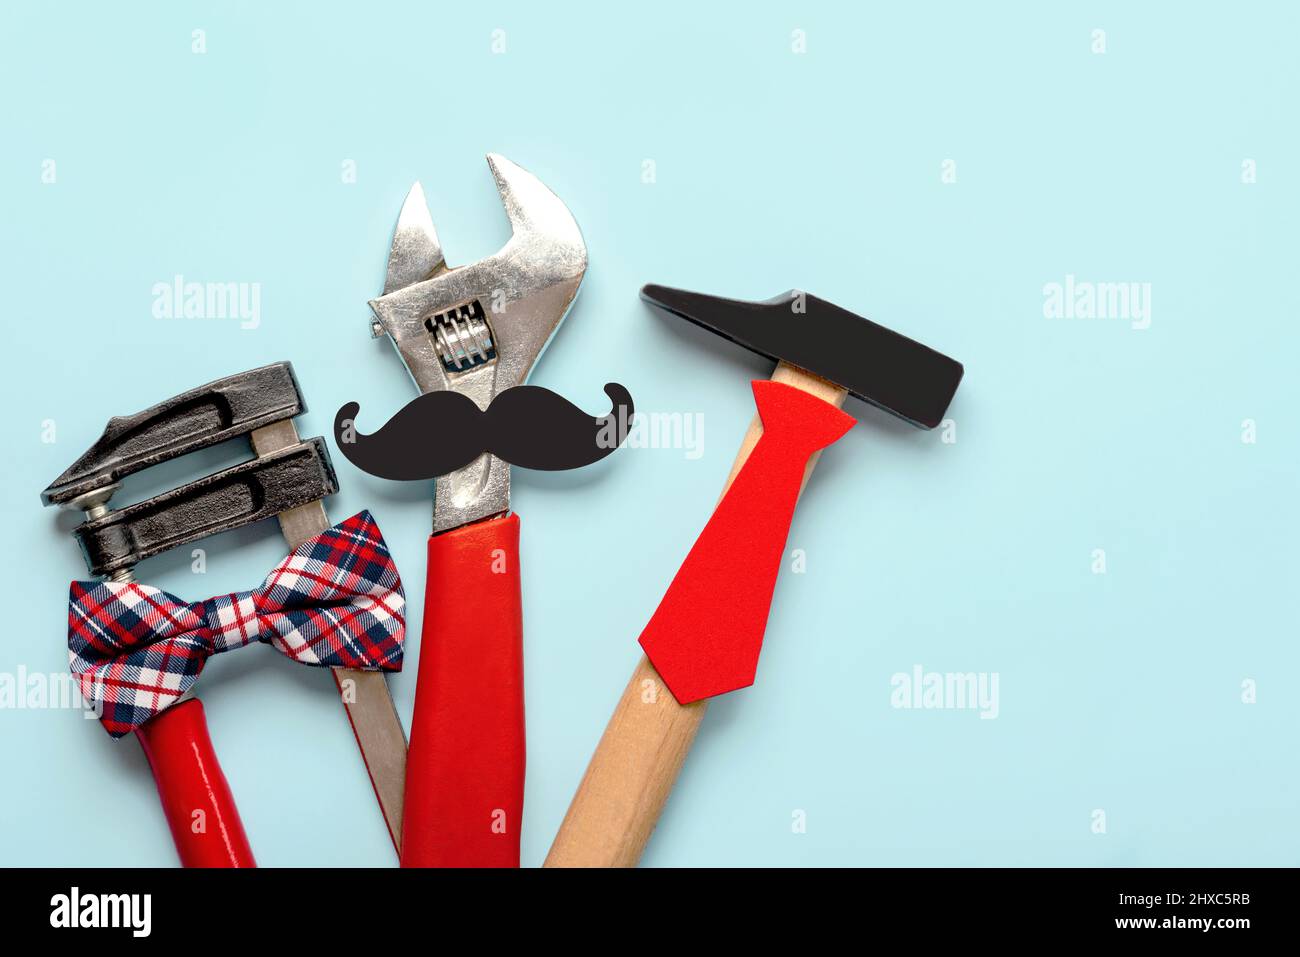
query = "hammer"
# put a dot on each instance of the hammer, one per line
(693, 652)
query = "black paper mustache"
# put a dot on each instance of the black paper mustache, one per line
(439, 432)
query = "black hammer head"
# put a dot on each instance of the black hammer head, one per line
(867, 360)
(244, 404)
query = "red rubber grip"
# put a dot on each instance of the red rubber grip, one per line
(195, 796)
(465, 765)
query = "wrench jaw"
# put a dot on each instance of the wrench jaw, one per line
(416, 253)
(479, 329)
(521, 312)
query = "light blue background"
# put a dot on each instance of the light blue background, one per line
(1119, 692)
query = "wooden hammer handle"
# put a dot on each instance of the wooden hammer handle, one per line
(646, 741)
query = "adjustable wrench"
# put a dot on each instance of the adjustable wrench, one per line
(476, 330)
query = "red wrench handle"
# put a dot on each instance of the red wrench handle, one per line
(195, 796)
(465, 766)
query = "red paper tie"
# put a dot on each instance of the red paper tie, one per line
(705, 636)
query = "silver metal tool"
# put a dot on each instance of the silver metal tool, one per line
(479, 329)
(476, 330)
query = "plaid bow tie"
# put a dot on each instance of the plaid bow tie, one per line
(336, 601)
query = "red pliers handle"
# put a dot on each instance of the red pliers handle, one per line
(465, 766)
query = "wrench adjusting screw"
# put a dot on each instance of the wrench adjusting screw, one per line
(462, 336)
